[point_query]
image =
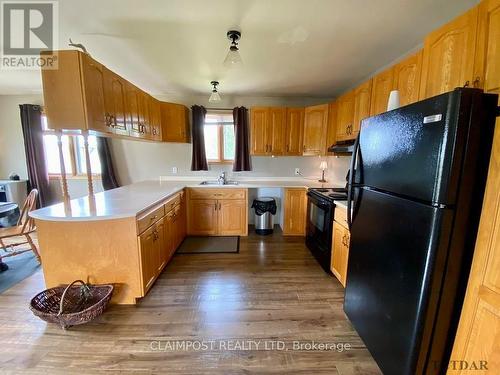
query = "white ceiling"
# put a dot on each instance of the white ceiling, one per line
(310, 48)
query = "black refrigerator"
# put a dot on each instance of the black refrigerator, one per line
(416, 201)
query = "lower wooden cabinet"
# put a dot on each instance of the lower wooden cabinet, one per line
(217, 217)
(294, 216)
(340, 252)
(162, 229)
(152, 249)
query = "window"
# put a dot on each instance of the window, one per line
(73, 153)
(219, 137)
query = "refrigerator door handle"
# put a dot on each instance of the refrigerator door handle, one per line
(350, 188)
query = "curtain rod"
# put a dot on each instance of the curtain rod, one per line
(219, 109)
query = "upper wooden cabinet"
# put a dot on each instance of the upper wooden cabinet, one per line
(175, 123)
(345, 116)
(82, 94)
(448, 59)
(294, 216)
(383, 84)
(315, 129)
(258, 130)
(362, 100)
(294, 131)
(407, 75)
(115, 96)
(331, 134)
(267, 130)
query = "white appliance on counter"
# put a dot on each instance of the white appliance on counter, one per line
(13, 191)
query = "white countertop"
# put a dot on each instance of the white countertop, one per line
(130, 200)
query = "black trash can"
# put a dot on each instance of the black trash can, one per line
(265, 209)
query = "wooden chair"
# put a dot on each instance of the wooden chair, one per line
(25, 226)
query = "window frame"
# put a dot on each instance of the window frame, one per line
(220, 140)
(75, 173)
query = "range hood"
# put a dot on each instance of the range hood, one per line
(346, 147)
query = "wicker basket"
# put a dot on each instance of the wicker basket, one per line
(71, 305)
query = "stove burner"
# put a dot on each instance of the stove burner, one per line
(321, 190)
(340, 196)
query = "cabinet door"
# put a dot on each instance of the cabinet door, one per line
(160, 244)
(202, 217)
(175, 122)
(315, 128)
(362, 99)
(233, 217)
(144, 122)
(331, 134)
(294, 216)
(259, 122)
(383, 84)
(149, 258)
(294, 131)
(479, 328)
(169, 234)
(154, 119)
(337, 250)
(407, 78)
(93, 85)
(115, 102)
(276, 127)
(345, 117)
(133, 98)
(448, 60)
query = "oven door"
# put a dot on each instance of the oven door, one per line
(319, 224)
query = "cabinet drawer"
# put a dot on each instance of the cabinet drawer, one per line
(150, 217)
(340, 216)
(172, 202)
(227, 193)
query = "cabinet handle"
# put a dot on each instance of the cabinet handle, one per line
(476, 82)
(220, 205)
(215, 206)
(287, 148)
(467, 84)
(304, 147)
(153, 218)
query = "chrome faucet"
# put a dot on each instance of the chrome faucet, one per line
(222, 178)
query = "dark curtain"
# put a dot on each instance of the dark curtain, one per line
(38, 176)
(108, 175)
(199, 157)
(242, 151)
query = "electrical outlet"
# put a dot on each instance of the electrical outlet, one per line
(174, 170)
(297, 171)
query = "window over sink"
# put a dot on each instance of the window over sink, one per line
(219, 136)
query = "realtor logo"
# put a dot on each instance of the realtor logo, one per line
(28, 27)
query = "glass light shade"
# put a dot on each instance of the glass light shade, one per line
(215, 97)
(323, 165)
(233, 57)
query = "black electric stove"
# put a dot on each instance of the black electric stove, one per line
(320, 209)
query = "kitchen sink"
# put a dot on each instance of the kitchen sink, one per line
(215, 182)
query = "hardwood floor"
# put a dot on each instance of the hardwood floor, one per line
(273, 291)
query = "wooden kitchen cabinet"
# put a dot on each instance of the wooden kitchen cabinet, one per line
(340, 252)
(267, 130)
(202, 217)
(154, 119)
(175, 123)
(331, 133)
(294, 131)
(345, 116)
(150, 249)
(362, 100)
(315, 130)
(232, 217)
(407, 74)
(259, 119)
(134, 101)
(294, 215)
(448, 57)
(383, 84)
(217, 212)
(115, 95)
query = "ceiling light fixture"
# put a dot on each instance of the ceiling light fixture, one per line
(233, 56)
(214, 97)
